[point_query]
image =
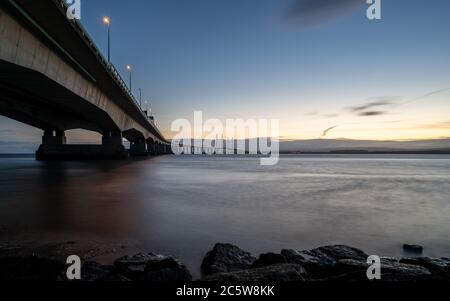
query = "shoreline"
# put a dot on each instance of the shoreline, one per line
(225, 262)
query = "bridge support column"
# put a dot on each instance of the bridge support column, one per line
(54, 147)
(169, 149)
(112, 139)
(112, 146)
(56, 137)
(138, 148)
(151, 148)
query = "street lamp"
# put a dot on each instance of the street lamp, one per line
(107, 22)
(129, 71)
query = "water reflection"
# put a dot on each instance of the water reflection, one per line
(183, 205)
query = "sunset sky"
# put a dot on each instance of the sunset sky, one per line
(313, 65)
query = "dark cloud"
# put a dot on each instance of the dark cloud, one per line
(372, 113)
(370, 105)
(325, 133)
(313, 12)
(376, 106)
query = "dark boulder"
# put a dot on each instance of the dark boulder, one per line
(225, 258)
(269, 259)
(414, 249)
(391, 270)
(439, 268)
(315, 264)
(152, 267)
(321, 262)
(272, 273)
(30, 268)
(95, 272)
(339, 252)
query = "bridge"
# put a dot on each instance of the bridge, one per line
(53, 77)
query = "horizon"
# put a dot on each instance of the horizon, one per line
(25, 148)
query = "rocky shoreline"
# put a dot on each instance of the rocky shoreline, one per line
(226, 262)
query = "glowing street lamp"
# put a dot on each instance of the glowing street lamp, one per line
(129, 68)
(107, 22)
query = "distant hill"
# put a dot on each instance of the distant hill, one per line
(343, 145)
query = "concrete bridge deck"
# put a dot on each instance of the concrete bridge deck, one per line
(53, 77)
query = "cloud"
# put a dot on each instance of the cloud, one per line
(374, 106)
(370, 105)
(372, 113)
(426, 95)
(433, 93)
(325, 133)
(307, 13)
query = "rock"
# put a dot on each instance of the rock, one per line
(416, 249)
(391, 270)
(277, 273)
(341, 252)
(315, 264)
(30, 268)
(269, 259)
(152, 267)
(225, 258)
(439, 268)
(133, 267)
(93, 271)
(321, 262)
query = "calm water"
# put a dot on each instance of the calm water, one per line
(183, 205)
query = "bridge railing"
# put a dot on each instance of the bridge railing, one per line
(116, 75)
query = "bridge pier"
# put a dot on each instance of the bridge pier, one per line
(151, 148)
(54, 147)
(138, 148)
(169, 149)
(54, 137)
(112, 139)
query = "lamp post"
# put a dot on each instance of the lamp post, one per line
(129, 71)
(140, 98)
(107, 22)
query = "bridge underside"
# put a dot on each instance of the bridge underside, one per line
(34, 99)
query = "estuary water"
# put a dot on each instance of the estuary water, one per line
(183, 205)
